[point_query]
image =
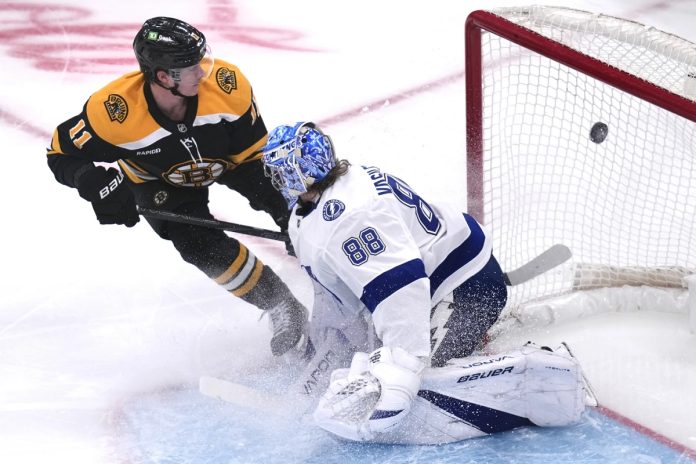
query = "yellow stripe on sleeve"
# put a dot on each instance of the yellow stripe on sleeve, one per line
(133, 173)
(254, 152)
(55, 145)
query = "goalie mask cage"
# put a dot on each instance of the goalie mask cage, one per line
(621, 196)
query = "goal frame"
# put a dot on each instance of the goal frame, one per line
(479, 21)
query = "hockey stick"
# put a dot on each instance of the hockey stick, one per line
(554, 256)
(332, 353)
(243, 396)
(212, 223)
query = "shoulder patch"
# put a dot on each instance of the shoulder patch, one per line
(226, 79)
(116, 107)
(333, 209)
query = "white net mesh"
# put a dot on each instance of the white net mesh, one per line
(623, 203)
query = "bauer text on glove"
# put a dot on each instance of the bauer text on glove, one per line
(111, 199)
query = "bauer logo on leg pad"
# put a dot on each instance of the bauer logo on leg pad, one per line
(483, 375)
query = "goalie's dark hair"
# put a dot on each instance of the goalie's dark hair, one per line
(337, 171)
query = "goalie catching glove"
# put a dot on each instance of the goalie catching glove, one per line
(371, 397)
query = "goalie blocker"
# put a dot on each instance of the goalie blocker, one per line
(469, 397)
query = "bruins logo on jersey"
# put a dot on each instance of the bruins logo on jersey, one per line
(195, 174)
(160, 197)
(226, 79)
(117, 108)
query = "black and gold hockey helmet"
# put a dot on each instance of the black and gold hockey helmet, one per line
(164, 43)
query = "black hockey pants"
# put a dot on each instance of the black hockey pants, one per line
(221, 257)
(477, 305)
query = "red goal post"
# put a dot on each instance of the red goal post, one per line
(580, 130)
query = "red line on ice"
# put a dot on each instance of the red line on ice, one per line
(21, 124)
(623, 420)
(396, 98)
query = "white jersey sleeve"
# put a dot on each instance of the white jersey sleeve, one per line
(375, 256)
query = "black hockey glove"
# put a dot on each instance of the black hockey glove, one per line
(112, 201)
(282, 221)
(288, 246)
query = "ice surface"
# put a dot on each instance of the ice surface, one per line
(104, 331)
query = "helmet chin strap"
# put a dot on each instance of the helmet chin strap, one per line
(174, 90)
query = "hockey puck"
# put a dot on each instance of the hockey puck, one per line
(599, 132)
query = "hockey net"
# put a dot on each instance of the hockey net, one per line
(621, 196)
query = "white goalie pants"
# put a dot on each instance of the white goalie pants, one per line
(479, 395)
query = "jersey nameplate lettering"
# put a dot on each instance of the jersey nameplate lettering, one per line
(378, 180)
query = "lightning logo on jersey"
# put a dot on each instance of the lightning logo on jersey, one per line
(333, 209)
(438, 323)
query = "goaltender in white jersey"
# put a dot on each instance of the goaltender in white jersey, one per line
(425, 279)
(373, 244)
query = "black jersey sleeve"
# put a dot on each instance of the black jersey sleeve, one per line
(75, 147)
(249, 180)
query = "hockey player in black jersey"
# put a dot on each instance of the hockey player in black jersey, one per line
(180, 124)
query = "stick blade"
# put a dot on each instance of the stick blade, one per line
(554, 256)
(243, 396)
